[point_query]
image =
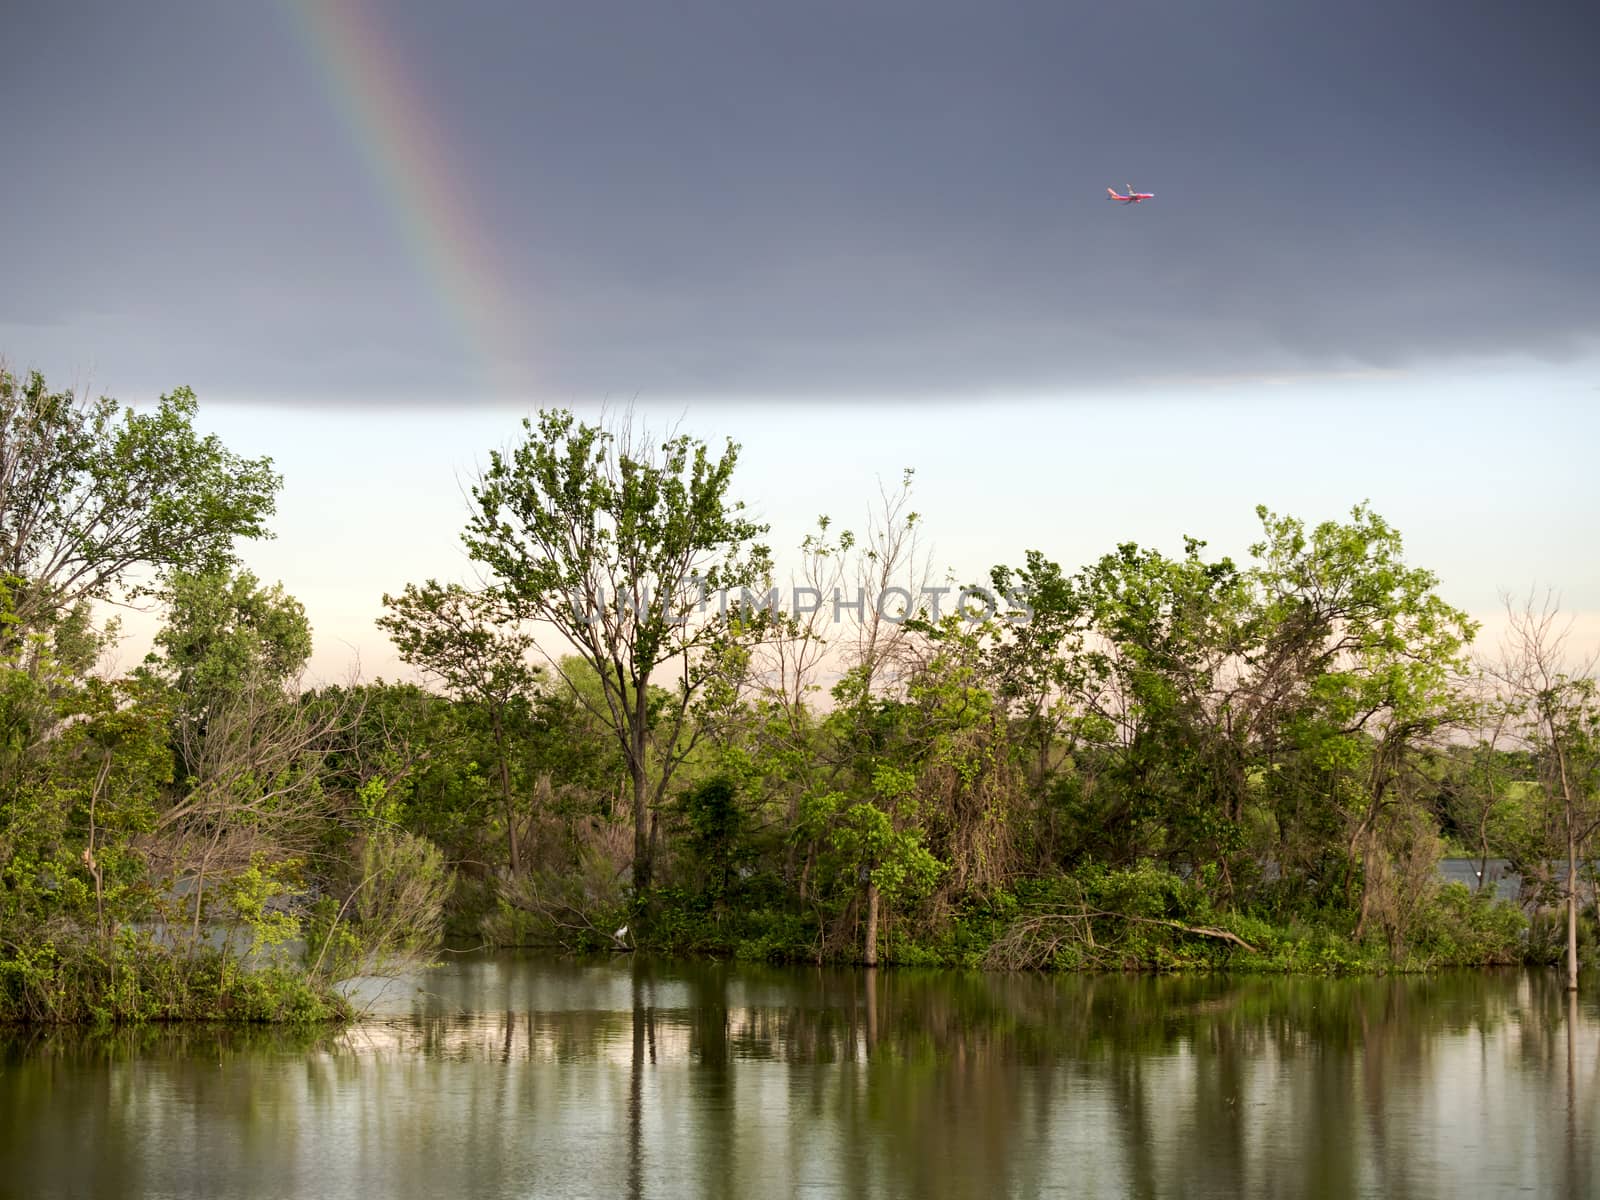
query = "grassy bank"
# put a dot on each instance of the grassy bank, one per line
(1097, 919)
(135, 979)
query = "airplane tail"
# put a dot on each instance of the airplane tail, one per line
(1112, 192)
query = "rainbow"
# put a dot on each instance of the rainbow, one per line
(406, 153)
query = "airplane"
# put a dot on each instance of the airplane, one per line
(1132, 197)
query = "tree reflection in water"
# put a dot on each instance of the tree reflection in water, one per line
(520, 1076)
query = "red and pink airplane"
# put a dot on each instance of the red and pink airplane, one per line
(1132, 197)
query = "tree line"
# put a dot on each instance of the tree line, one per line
(1151, 760)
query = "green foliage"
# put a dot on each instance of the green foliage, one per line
(96, 492)
(1144, 918)
(135, 978)
(96, 823)
(716, 831)
(74, 803)
(398, 903)
(225, 634)
(462, 638)
(615, 542)
(571, 504)
(257, 897)
(1460, 928)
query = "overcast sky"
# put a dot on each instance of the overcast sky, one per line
(742, 211)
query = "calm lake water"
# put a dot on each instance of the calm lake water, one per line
(515, 1075)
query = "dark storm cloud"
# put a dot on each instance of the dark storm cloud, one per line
(811, 199)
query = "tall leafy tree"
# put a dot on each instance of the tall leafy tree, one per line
(625, 546)
(1361, 665)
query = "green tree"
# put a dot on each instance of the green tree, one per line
(226, 633)
(71, 818)
(98, 500)
(1163, 679)
(716, 830)
(1362, 664)
(624, 547)
(1038, 663)
(1211, 706)
(465, 640)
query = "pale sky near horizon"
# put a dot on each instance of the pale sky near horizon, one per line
(854, 237)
